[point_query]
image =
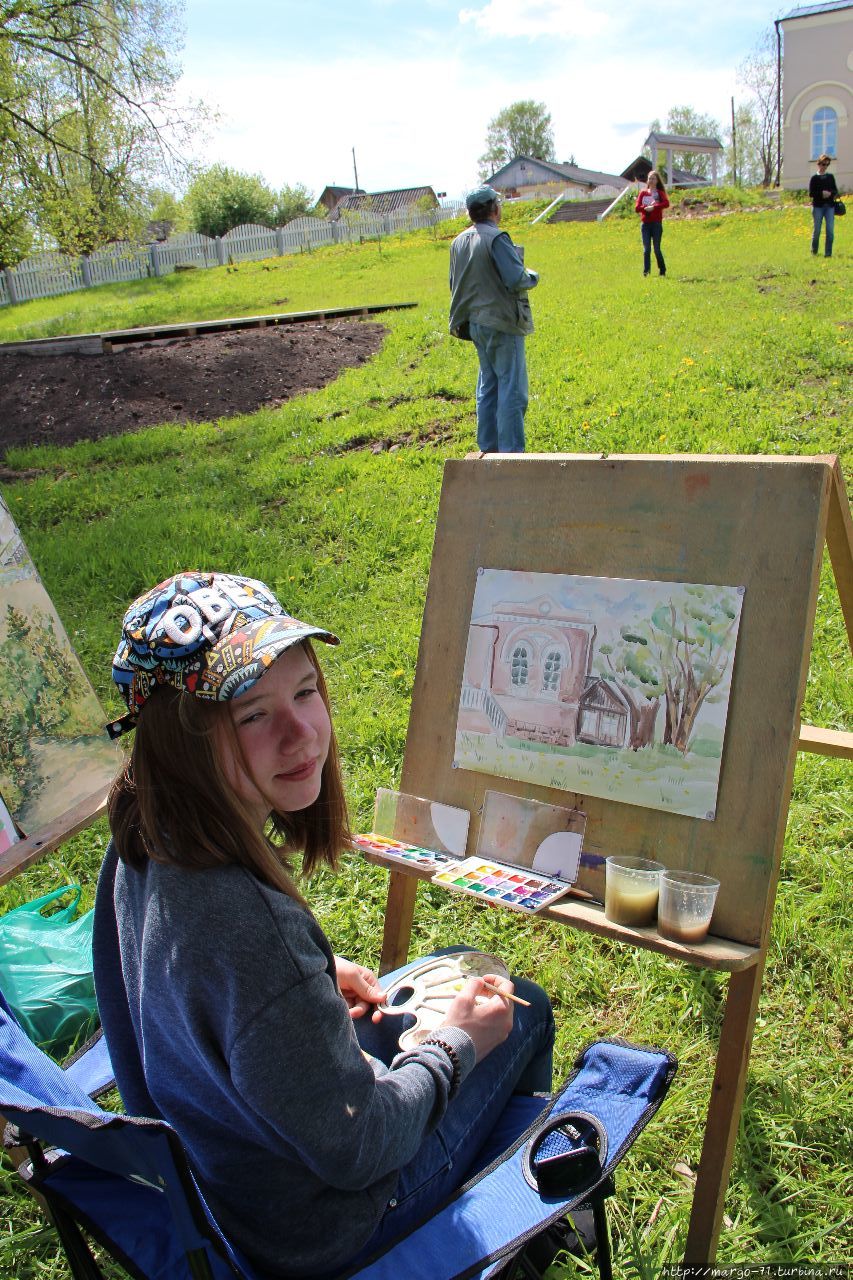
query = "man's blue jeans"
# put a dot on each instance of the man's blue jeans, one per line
(822, 213)
(501, 390)
(651, 233)
(522, 1064)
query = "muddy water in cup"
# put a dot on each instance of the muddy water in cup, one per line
(631, 890)
(686, 905)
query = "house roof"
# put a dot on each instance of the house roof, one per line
(383, 202)
(640, 169)
(807, 10)
(684, 142)
(592, 680)
(572, 172)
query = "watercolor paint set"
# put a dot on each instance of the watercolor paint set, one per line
(410, 855)
(502, 886)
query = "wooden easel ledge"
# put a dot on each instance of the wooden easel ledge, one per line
(20, 855)
(826, 742)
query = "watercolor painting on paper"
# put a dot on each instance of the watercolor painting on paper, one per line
(609, 687)
(54, 752)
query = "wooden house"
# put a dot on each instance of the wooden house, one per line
(331, 196)
(382, 203)
(527, 178)
(603, 714)
(638, 171)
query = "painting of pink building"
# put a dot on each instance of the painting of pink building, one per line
(602, 686)
(526, 670)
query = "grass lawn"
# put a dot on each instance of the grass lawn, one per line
(745, 347)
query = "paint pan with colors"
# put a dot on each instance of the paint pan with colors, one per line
(503, 886)
(410, 855)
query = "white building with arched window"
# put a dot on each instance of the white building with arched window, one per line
(817, 92)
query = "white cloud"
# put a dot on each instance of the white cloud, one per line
(423, 118)
(568, 19)
(412, 121)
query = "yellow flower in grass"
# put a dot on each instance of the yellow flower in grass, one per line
(687, 360)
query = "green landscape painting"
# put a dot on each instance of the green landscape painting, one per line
(54, 751)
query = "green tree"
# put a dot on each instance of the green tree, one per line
(680, 654)
(688, 123)
(16, 228)
(292, 202)
(87, 110)
(522, 129)
(627, 665)
(758, 74)
(220, 198)
(745, 148)
(162, 205)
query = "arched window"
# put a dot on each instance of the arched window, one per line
(551, 671)
(520, 665)
(824, 132)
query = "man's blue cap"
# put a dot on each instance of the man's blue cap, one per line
(481, 195)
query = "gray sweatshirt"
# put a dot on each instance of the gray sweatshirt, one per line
(221, 1010)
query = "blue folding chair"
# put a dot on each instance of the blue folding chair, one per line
(126, 1181)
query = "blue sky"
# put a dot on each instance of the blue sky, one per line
(412, 84)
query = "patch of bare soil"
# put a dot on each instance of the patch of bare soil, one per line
(60, 399)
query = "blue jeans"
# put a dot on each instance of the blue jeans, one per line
(819, 214)
(522, 1064)
(651, 233)
(501, 390)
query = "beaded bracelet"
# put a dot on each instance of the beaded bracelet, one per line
(452, 1055)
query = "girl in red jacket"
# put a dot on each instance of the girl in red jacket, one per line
(650, 205)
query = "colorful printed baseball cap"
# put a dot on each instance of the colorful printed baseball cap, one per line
(481, 195)
(209, 634)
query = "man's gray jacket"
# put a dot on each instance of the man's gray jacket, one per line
(488, 282)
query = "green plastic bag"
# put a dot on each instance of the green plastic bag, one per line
(46, 970)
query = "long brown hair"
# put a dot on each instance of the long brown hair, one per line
(171, 803)
(659, 186)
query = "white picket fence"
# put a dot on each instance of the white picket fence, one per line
(47, 274)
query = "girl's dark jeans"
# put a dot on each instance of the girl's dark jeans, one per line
(651, 233)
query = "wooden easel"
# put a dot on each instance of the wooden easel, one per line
(752, 521)
(19, 856)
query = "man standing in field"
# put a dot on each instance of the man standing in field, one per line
(488, 305)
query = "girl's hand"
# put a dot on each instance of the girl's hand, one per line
(359, 987)
(486, 1018)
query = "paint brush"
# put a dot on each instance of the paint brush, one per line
(507, 995)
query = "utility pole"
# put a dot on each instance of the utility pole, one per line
(355, 171)
(778, 103)
(734, 146)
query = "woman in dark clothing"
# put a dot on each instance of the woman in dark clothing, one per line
(650, 205)
(823, 194)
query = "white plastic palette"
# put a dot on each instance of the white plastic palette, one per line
(502, 886)
(427, 990)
